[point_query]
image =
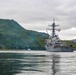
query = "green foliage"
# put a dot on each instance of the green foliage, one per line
(70, 43)
(13, 36)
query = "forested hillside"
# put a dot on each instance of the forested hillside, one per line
(13, 36)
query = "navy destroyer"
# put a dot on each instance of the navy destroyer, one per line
(54, 44)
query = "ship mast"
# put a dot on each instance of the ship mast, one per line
(53, 28)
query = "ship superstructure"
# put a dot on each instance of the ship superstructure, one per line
(53, 43)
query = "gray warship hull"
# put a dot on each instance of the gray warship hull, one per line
(54, 44)
(59, 49)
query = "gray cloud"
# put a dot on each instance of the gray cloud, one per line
(37, 14)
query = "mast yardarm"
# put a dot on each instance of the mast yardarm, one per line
(53, 28)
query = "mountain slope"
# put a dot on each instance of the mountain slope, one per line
(13, 36)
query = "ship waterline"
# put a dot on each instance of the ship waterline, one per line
(59, 49)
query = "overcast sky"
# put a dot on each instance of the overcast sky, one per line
(37, 14)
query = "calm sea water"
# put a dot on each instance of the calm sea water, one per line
(37, 63)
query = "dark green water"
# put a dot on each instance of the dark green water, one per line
(37, 63)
